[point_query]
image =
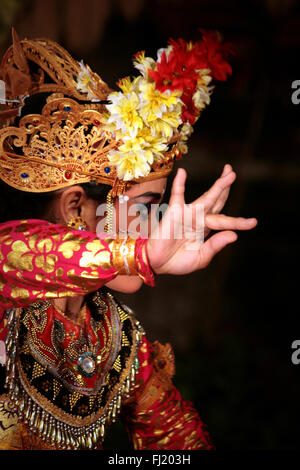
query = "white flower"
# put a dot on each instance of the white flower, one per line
(123, 113)
(201, 97)
(144, 64)
(85, 81)
(185, 133)
(186, 130)
(160, 51)
(131, 164)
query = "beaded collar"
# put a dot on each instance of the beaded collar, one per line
(67, 411)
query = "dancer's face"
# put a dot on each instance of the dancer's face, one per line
(147, 193)
(73, 202)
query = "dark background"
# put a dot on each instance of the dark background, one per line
(233, 324)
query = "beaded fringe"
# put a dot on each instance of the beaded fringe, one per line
(57, 433)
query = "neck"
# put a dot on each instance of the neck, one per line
(71, 307)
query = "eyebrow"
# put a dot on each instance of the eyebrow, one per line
(149, 194)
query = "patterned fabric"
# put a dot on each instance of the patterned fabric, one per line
(156, 416)
(85, 356)
(41, 261)
(9, 430)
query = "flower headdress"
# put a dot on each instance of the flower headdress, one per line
(85, 132)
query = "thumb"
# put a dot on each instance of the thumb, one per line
(214, 244)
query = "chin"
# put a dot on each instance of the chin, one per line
(125, 284)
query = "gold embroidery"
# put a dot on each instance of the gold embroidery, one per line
(91, 401)
(160, 380)
(117, 364)
(74, 399)
(37, 371)
(125, 341)
(17, 292)
(84, 280)
(35, 320)
(9, 435)
(88, 416)
(59, 272)
(56, 388)
(18, 259)
(45, 245)
(67, 248)
(46, 263)
(96, 256)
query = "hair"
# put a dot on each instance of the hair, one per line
(16, 204)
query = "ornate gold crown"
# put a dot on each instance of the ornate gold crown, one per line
(84, 132)
(66, 144)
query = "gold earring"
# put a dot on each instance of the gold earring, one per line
(109, 215)
(77, 223)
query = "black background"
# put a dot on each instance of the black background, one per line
(232, 325)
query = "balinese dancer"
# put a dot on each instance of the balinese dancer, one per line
(75, 358)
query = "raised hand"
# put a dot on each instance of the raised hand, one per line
(183, 251)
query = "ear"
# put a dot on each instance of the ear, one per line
(70, 203)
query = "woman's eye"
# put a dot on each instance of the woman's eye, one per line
(144, 210)
(148, 206)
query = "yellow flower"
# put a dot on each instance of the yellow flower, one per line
(130, 165)
(134, 156)
(128, 86)
(124, 115)
(155, 144)
(166, 125)
(143, 64)
(154, 103)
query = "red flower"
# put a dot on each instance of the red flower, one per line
(180, 69)
(177, 71)
(214, 53)
(189, 111)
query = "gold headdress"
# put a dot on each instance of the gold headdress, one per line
(84, 132)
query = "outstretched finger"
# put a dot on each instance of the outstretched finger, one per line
(178, 187)
(214, 245)
(210, 197)
(225, 222)
(221, 201)
(226, 169)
